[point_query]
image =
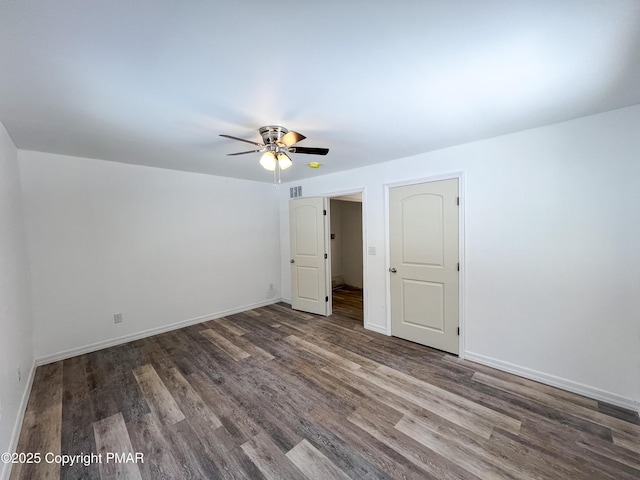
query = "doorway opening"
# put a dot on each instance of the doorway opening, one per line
(346, 251)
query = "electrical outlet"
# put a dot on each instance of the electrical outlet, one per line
(117, 318)
(19, 374)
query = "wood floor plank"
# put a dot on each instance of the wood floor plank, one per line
(561, 394)
(189, 452)
(613, 452)
(158, 397)
(578, 411)
(43, 430)
(292, 327)
(432, 462)
(286, 309)
(231, 460)
(346, 353)
(530, 411)
(269, 459)
(230, 414)
(630, 442)
(190, 403)
(378, 453)
(74, 379)
(313, 463)
(247, 346)
(120, 394)
(47, 388)
(421, 399)
(446, 400)
(406, 402)
(77, 419)
(42, 424)
(477, 454)
(230, 326)
(112, 437)
(77, 438)
(225, 345)
(270, 409)
(147, 437)
(533, 461)
(321, 352)
(220, 445)
(469, 455)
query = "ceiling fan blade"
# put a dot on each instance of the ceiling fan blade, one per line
(242, 140)
(309, 150)
(242, 153)
(291, 138)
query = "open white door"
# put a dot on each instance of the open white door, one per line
(423, 233)
(308, 255)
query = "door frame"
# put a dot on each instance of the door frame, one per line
(328, 197)
(461, 236)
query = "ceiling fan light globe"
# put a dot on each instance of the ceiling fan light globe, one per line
(268, 161)
(284, 161)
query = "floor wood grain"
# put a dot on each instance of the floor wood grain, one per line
(111, 438)
(272, 394)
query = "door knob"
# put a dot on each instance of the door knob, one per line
(292, 261)
(392, 270)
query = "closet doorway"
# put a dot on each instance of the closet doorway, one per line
(346, 243)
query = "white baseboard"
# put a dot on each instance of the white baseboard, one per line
(148, 333)
(376, 328)
(17, 426)
(559, 382)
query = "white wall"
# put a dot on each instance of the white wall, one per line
(158, 246)
(552, 249)
(352, 243)
(16, 345)
(335, 217)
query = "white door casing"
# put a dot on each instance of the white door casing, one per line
(423, 235)
(308, 263)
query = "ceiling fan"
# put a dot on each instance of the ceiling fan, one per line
(278, 142)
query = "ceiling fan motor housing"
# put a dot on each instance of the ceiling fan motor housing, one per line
(278, 139)
(272, 133)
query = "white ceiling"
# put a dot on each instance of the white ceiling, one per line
(153, 82)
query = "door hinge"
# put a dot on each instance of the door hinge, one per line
(325, 256)
(457, 200)
(458, 330)
(458, 266)
(326, 299)
(324, 212)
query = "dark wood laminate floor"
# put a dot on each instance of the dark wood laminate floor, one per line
(347, 303)
(277, 394)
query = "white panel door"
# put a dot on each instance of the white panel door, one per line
(308, 263)
(423, 235)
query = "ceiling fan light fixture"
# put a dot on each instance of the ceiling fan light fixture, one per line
(278, 142)
(268, 161)
(284, 161)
